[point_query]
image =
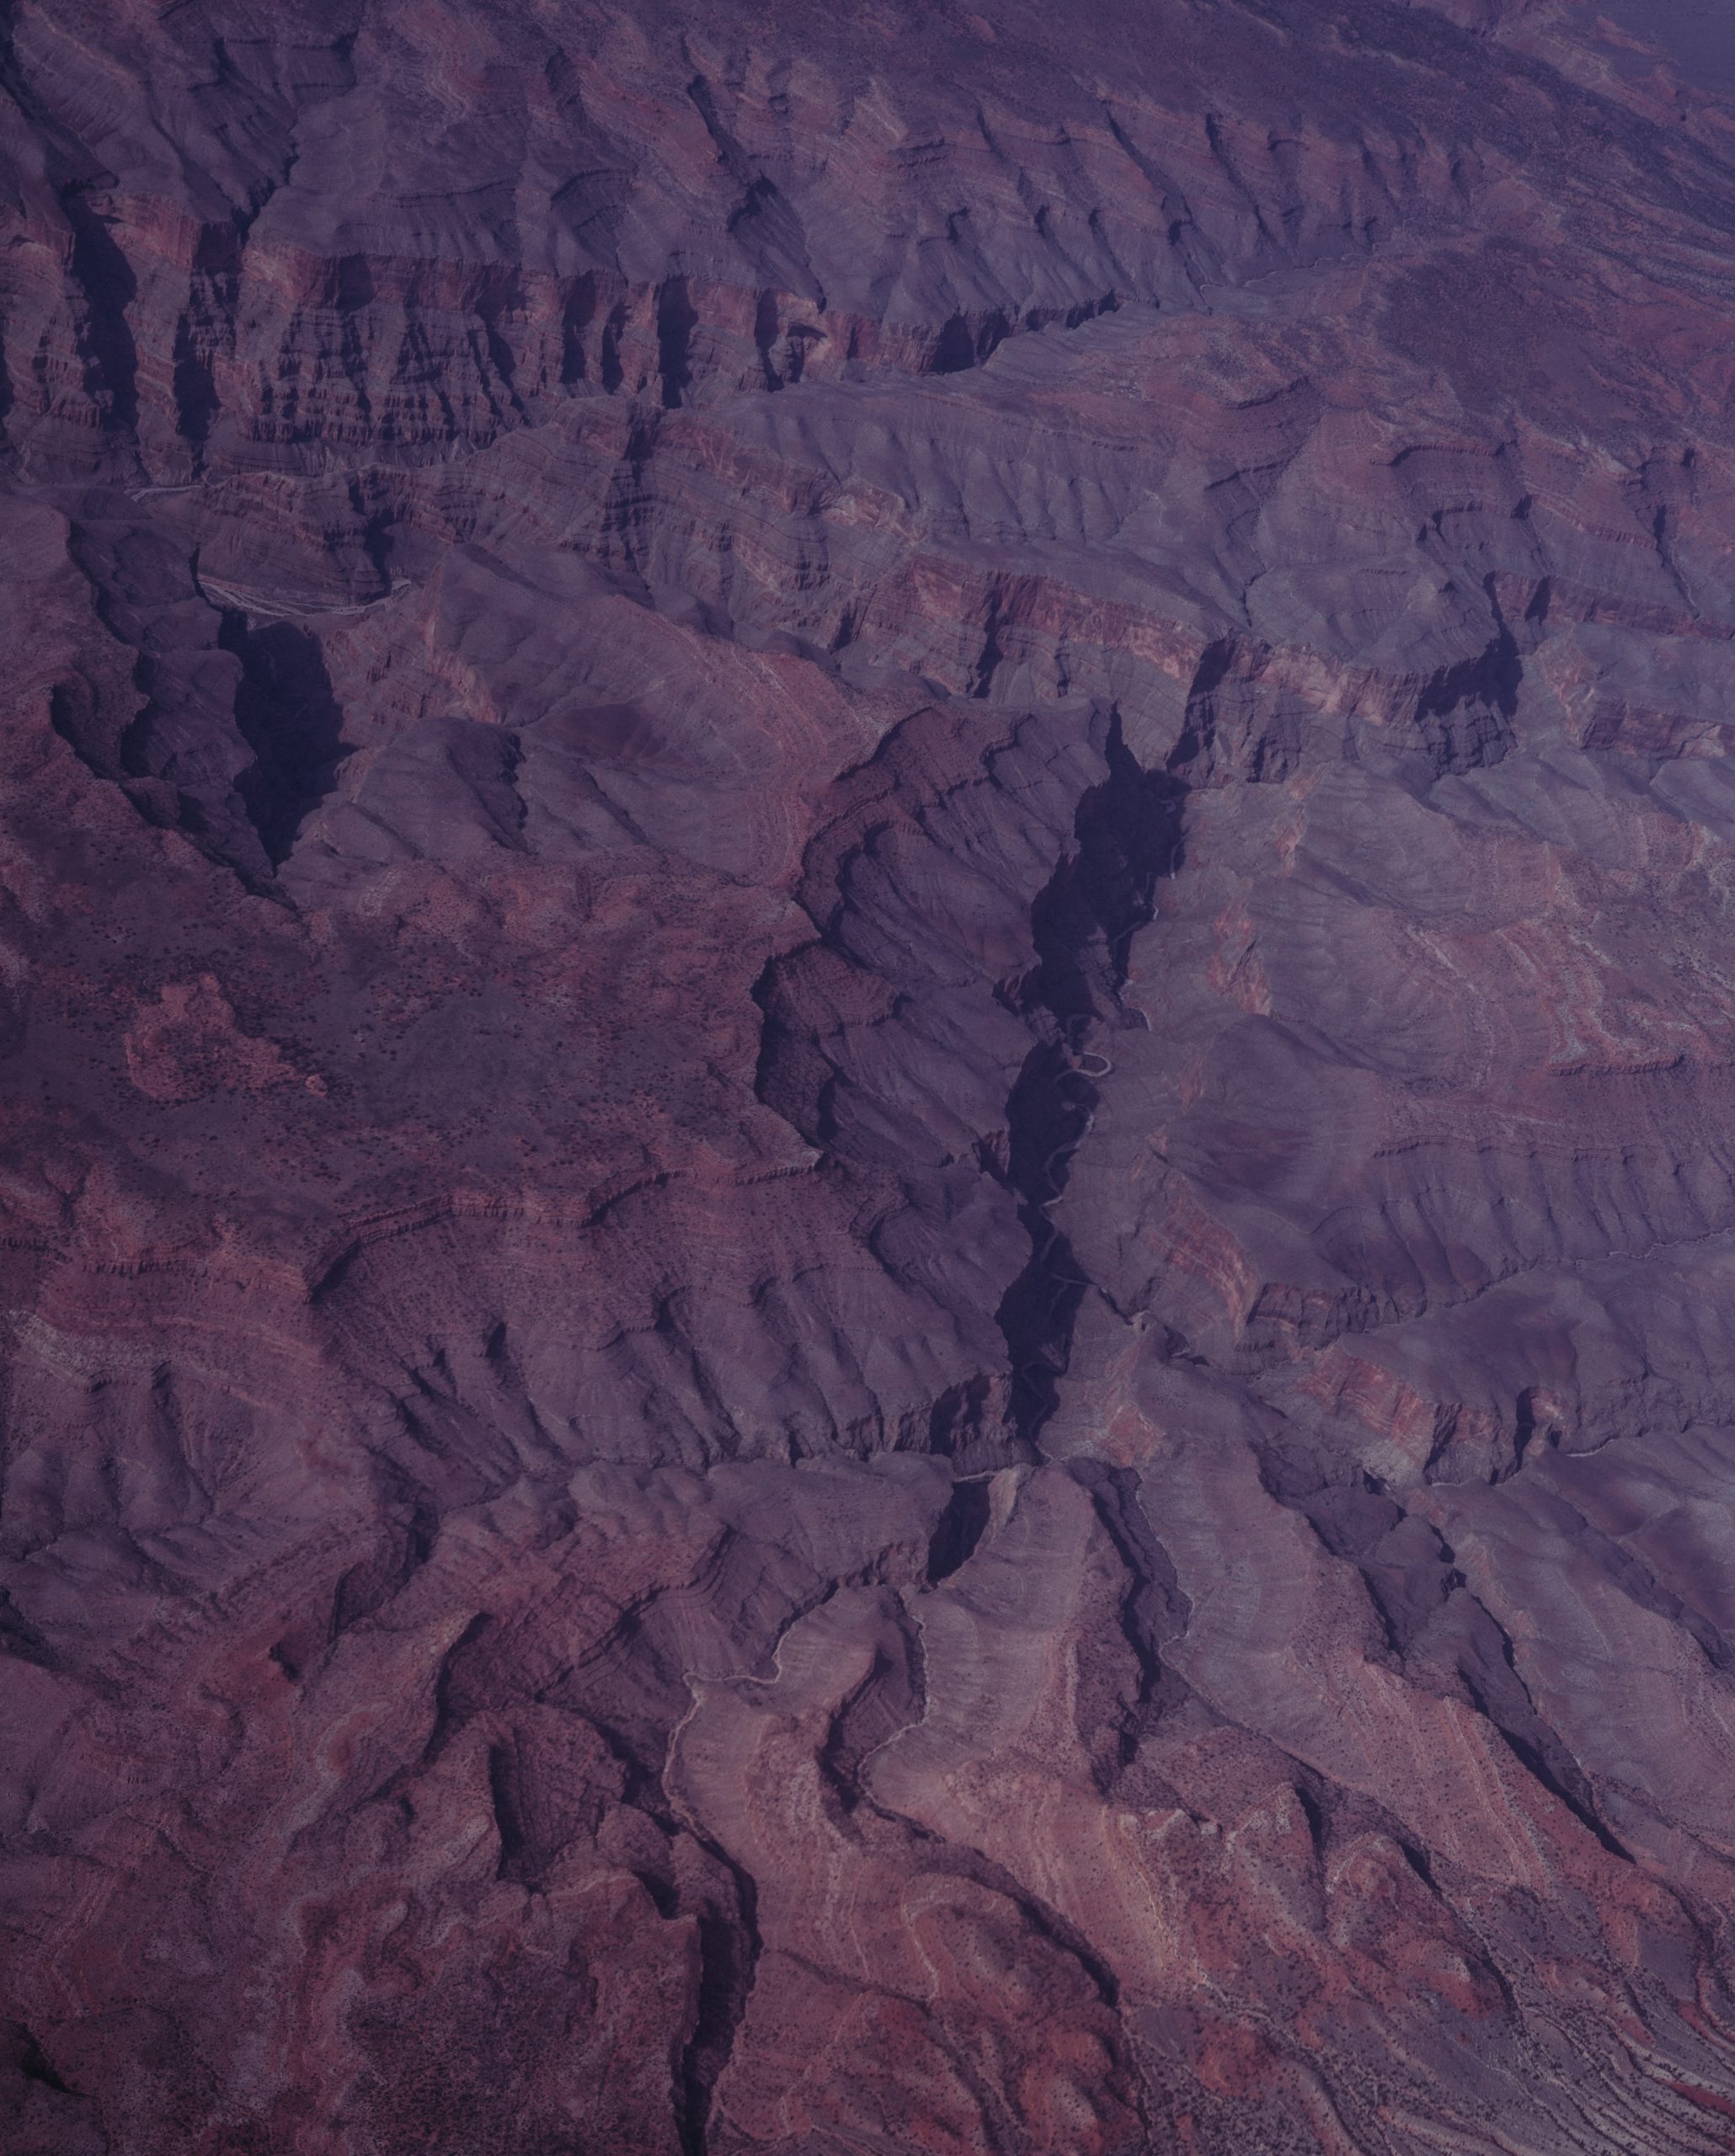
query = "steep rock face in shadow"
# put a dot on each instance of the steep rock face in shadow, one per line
(869, 1245)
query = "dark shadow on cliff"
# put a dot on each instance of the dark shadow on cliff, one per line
(286, 713)
(1128, 833)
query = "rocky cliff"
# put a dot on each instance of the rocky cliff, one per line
(867, 1018)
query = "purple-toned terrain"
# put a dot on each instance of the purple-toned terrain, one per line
(868, 1057)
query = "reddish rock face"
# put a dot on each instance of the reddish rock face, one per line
(868, 1033)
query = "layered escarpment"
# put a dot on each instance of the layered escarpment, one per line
(868, 1042)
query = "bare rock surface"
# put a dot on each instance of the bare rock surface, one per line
(868, 1025)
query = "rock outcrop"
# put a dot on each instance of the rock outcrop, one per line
(869, 1073)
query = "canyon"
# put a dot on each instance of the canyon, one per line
(867, 1043)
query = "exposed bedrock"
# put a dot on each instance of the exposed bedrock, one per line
(869, 1239)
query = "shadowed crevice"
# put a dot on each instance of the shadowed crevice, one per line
(289, 716)
(961, 1527)
(108, 287)
(1128, 835)
(677, 318)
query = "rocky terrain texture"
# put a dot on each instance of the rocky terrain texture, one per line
(867, 1043)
